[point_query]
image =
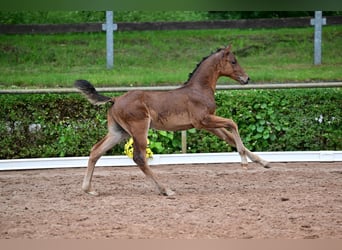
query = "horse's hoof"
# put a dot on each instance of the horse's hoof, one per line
(93, 193)
(244, 166)
(266, 164)
(168, 192)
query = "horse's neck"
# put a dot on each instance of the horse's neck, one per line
(205, 77)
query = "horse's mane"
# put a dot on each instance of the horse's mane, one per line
(198, 64)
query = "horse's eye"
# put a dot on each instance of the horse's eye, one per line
(233, 62)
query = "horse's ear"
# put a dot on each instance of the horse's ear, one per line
(227, 49)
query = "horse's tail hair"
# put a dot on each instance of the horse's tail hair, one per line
(91, 94)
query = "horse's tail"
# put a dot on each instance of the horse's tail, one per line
(91, 94)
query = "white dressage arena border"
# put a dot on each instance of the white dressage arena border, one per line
(159, 159)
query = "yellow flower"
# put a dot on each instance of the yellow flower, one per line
(128, 149)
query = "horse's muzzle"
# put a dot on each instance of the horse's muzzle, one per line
(244, 80)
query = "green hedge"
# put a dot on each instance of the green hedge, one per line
(280, 120)
(51, 125)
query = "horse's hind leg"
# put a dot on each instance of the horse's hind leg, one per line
(114, 136)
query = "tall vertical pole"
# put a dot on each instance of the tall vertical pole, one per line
(318, 22)
(110, 38)
(184, 146)
(109, 27)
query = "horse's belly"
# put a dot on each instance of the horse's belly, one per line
(171, 123)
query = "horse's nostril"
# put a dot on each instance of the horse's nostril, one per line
(245, 80)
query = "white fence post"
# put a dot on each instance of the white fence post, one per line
(110, 27)
(318, 21)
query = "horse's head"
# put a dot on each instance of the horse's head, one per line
(230, 67)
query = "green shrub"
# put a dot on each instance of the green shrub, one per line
(51, 125)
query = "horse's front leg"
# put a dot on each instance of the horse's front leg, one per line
(217, 125)
(216, 122)
(227, 136)
(139, 157)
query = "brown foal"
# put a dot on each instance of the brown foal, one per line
(189, 106)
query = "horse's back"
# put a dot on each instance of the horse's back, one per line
(164, 110)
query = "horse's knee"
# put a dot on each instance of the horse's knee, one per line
(232, 125)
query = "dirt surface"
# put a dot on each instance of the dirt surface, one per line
(290, 200)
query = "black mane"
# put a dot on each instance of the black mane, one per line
(203, 59)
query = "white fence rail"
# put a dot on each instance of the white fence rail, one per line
(201, 158)
(170, 87)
